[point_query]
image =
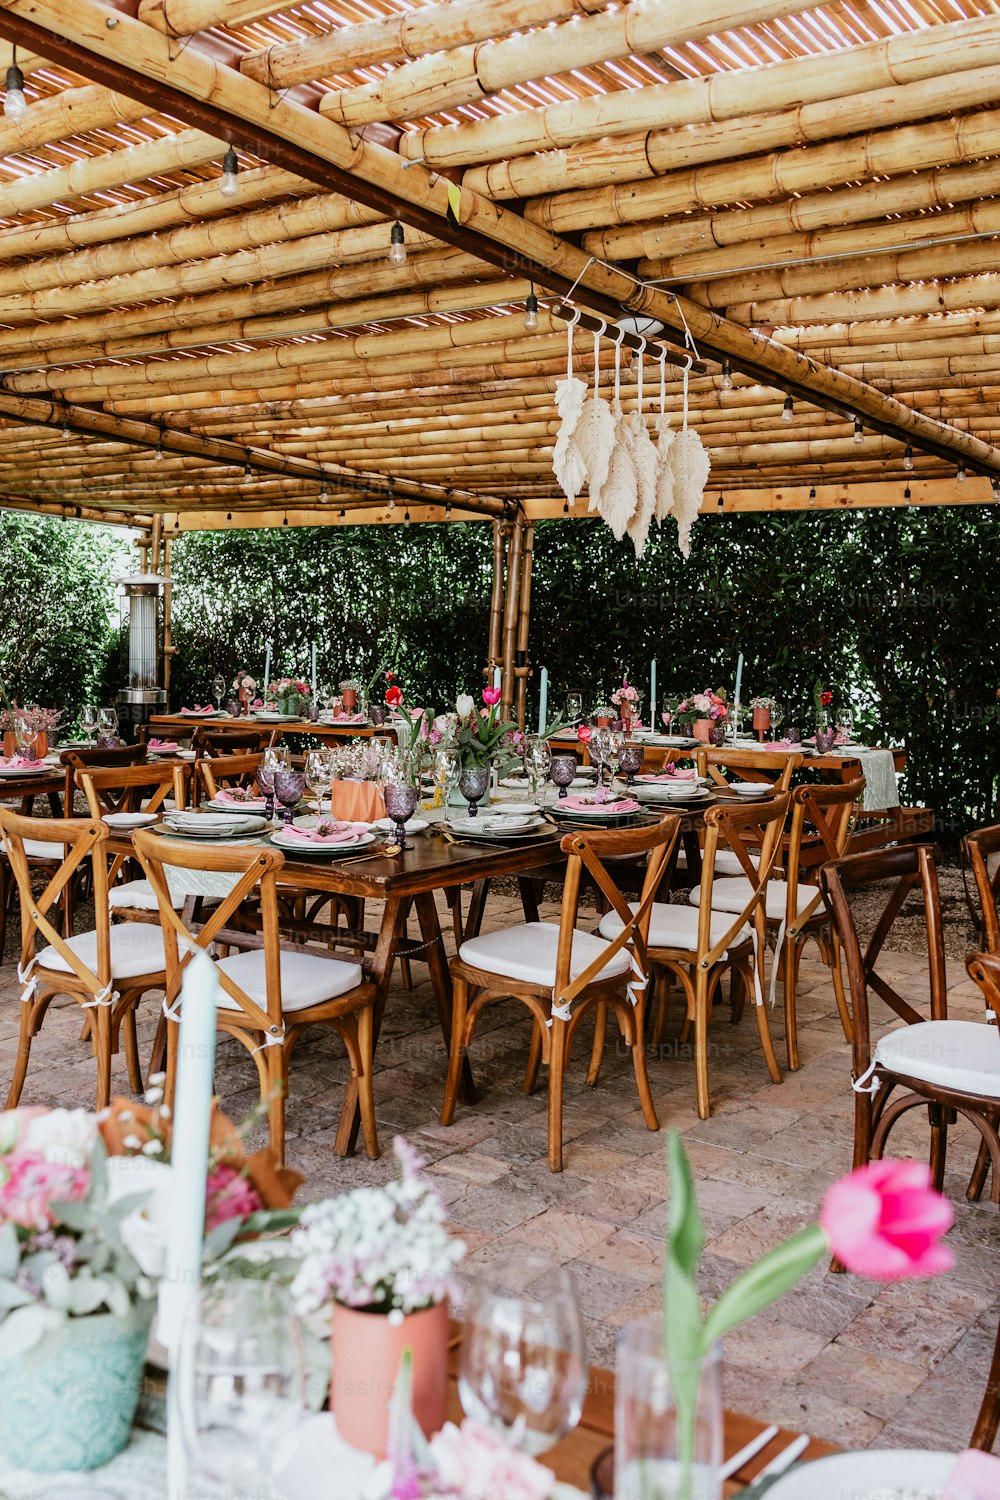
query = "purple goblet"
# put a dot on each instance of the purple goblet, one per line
(265, 785)
(472, 784)
(631, 761)
(563, 771)
(288, 788)
(400, 803)
(378, 714)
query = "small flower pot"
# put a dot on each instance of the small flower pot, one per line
(701, 729)
(761, 722)
(367, 1348)
(349, 698)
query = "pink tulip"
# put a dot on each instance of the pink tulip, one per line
(491, 696)
(886, 1221)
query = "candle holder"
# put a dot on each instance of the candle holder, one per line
(563, 771)
(472, 784)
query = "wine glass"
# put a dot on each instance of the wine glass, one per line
(537, 760)
(845, 725)
(563, 772)
(288, 788)
(777, 718)
(447, 768)
(319, 776)
(616, 746)
(574, 706)
(632, 757)
(400, 804)
(107, 721)
(218, 689)
(88, 718)
(598, 751)
(472, 784)
(240, 1384)
(523, 1367)
(275, 758)
(667, 714)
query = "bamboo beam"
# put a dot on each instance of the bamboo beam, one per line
(290, 136)
(73, 112)
(184, 17)
(913, 55)
(435, 28)
(933, 296)
(515, 549)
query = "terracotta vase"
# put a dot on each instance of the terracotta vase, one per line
(366, 1349)
(40, 744)
(761, 722)
(350, 699)
(9, 743)
(603, 720)
(702, 730)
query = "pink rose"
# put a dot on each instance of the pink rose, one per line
(229, 1195)
(886, 1221)
(33, 1185)
(481, 1465)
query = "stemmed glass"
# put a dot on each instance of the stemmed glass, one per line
(574, 706)
(447, 768)
(632, 757)
(274, 759)
(400, 804)
(616, 747)
(241, 1385)
(598, 749)
(218, 689)
(107, 724)
(474, 780)
(537, 760)
(667, 714)
(88, 717)
(319, 776)
(523, 1366)
(777, 718)
(288, 788)
(563, 772)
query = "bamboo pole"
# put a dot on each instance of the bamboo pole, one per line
(169, 648)
(184, 17)
(905, 58)
(645, 154)
(73, 112)
(409, 35)
(515, 548)
(933, 296)
(522, 669)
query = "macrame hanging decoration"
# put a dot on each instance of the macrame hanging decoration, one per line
(567, 460)
(644, 461)
(619, 495)
(664, 470)
(690, 464)
(595, 436)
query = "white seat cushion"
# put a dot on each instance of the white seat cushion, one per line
(167, 805)
(733, 895)
(305, 979)
(675, 926)
(528, 952)
(726, 862)
(139, 896)
(136, 948)
(37, 849)
(962, 1055)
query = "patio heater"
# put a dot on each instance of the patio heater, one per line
(142, 697)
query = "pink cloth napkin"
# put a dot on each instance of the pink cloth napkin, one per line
(155, 744)
(671, 773)
(587, 804)
(252, 804)
(340, 833)
(21, 763)
(205, 709)
(976, 1476)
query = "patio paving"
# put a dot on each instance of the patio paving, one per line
(846, 1359)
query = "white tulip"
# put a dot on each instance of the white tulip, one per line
(465, 705)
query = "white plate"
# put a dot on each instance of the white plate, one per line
(752, 788)
(187, 754)
(280, 838)
(665, 793)
(673, 739)
(130, 819)
(515, 809)
(491, 826)
(264, 717)
(871, 1474)
(599, 810)
(32, 771)
(414, 825)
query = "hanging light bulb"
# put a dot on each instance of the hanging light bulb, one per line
(285, 521)
(908, 459)
(447, 511)
(859, 431)
(322, 493)
(726, 383)
(67, 434)
(229, 181)
(960, 476)
(906, 493)
(397, 245)
(531, 312)
(996, 489)
(721, 505)
(406, 518)
(15, 105)
(812, 492)
(159, 447)
(247, 471)
(787, 411)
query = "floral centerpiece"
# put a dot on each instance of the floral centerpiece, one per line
(349, 690)
(826, 732)
(387, 1260)
(412, 728)
(626, 700)
(289, 696)
(481, 731)
(244, 687)
(703, 711)
(763, 707)
(27, 730)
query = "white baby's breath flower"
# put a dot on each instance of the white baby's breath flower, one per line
(156, 1080)
(132, 1143)
(153, 1148)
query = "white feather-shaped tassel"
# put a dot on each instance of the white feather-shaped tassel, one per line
(664, 473)
(620, 495)
(567, 460)
(690, 464)
(595, 437)
(645, 464)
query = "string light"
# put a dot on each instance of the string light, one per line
(996, 489)
(812, 492)
(960, 476)
(908, 458)
(565, 507)
(726, 383)
(229, 181)
(285, 521)
(397, 245)
(447, 511)
(322, 493)
(787, 411)
(158, 452)
(859, 431)
(15, 105)
(531, 312)
(906, 493)
(721, 505)
(66, 430)
(247, 471)
(406, 518)
(229, 515)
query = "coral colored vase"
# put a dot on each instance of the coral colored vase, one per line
(350, 699)
(761, 722)
(367, 1348)
(9, 744)
(702, 730)
(40, 744)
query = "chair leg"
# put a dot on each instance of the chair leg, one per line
(979, 1174)
(534, 1059)
(838, 986)
(639, 1065)
(366, 1095)
(701, 1045)
(277, 1088)
(599, 1042)
(171, 1035)
(101, 1033)
(767, 1041)
(158, 1054)
(661, 1006)
(459, 1011)
(985, 1431)
(557, 1068)
(131, 1041)
(24, 1038)
(790, 972)
(939, 1144)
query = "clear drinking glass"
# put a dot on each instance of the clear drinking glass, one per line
(574, 706)
(598, 751)
(319, 776)
(537, 760)
(777, 718)
(649, 1457)
(107, 721)
(523, 1365)
(88, 719)
(613, 758)
(218, 689)
(447, 768)
(241, 1385)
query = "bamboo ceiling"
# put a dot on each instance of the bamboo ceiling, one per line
(812, 193)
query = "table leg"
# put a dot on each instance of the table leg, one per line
(437, 963)
(692, 850)
(477, 907)
(380, 973)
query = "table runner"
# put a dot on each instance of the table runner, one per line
(879, 771)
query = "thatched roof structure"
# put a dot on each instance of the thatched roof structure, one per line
(807, 195)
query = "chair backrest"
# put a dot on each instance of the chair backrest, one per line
(227, 770)
(112, 791)
(741, 827)
(913, 868)
(984, 970)
(827, 811)
(84, 840)
(252, 869)
(79, 760)
(981, 854)
(588, 851)
(777, 766)
(217, 742)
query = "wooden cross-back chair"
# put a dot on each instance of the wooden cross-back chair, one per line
(211, 743)
(271, 991)
(698, 946)
(819, 830)
(981, 855)
(984, 969)
(120, 757)
(775, 766)
(107, 970)
(561, 973)
(143, 788)
(211, 775)
(934, 1063)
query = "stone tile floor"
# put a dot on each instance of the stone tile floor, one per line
(843, 1358)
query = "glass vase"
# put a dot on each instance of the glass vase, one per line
(668, 1423)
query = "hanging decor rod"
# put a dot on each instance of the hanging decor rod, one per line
(652, 346)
